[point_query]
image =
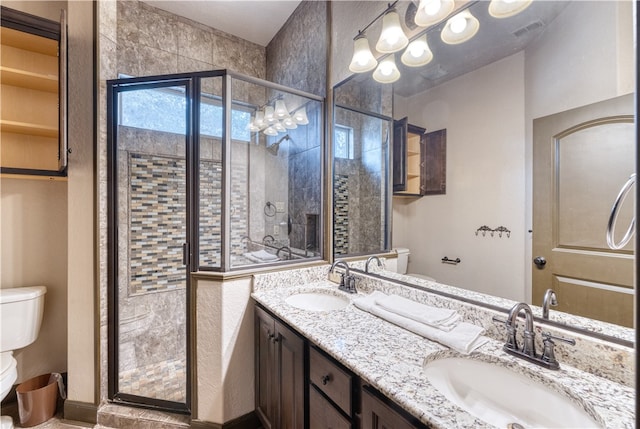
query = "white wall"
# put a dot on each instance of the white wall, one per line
(489, 178)
(225, 361)
(485, 182)
(33, 251)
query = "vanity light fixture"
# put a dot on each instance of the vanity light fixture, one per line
(362, 60)
(289, 123)
(462, 27)
(269, 115)
(387, 71)
(392, 38)
(300, 116)
(431, 12)
(417, 53)
(281, 110)
(270, 131)
(507, 8)
(279, 127)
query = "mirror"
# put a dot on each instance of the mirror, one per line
(551, 58)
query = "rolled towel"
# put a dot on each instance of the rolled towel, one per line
(464, 338)
(440, 318)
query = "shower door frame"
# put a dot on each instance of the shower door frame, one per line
(114, 87)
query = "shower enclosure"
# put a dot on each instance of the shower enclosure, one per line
(208, 171)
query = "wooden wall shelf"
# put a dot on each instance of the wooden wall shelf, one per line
(26, 79)
(28, 128)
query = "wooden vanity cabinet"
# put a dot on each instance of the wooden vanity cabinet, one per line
(33, 107)
(379, 412)
(279, 366)
(419, 160)
(333, 393)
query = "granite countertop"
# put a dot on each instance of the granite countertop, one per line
(391, 359)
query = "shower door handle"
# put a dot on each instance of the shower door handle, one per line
(185, 254)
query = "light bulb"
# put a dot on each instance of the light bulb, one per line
(269, 117)
(460, 28)
(290, 123)
(300, 116)
(431, 12)
(279, 127)
(259, 121)
(458, 24)
(507, 8)
(387, 71)
(362, 60)
(392, 37)
(270, 131)
(281, 110)
(417, 53)
(432, 7)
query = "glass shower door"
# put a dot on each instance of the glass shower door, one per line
(150, 310)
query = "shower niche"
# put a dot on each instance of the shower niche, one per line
(208, 171)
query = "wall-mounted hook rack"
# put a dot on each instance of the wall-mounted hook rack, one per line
(484, 229)
(500, 230)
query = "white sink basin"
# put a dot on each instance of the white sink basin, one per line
(499, 396)
(317, 301)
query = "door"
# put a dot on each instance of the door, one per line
(582, 157)
(149, 139)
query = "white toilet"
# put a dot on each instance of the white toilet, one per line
(21, 312)
(403, 263)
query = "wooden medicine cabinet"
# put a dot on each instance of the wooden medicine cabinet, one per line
(34, 94)
(419, 160)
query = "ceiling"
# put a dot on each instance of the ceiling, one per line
(256, 21)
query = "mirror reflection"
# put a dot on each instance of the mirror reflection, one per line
(518, 100)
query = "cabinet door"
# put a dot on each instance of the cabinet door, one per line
(290, 375)
(378, 415)
(434, 164)
(322, 414)
(400, 154)
(264, 367)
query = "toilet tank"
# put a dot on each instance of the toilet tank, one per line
(21, 312)
(403, 260)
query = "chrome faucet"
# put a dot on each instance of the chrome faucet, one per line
(287, 248)
(347, 281)
(528, 350)
(549, 299)
(369, 259)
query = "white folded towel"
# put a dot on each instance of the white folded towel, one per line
(259, 257)
(440, 318)
(264, 255)
(464, 338)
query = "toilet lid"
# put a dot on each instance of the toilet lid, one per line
(7, 363)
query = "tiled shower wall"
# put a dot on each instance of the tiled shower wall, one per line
(298, 61)
(138, 40)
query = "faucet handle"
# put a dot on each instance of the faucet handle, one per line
(548, 353)
(547, 336)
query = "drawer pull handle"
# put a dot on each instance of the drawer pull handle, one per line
(325, 379)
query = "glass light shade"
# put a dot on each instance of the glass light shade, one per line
(417, 53)
(300, 116)
(253, 127)
(431, 12)
(387, 71)
(362, 60)
(270, 131)
(392, 37)
(289, 123)
(460, 28)
(269, 115)
(507, 8)
(259, 119)
(281, 110)
(279, 127)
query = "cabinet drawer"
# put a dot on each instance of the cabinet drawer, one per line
(330, 379)
(323, 415)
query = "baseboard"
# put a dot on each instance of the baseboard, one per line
(80, 411)
(248, 421)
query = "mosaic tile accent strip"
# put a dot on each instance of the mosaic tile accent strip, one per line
(163, 380)
(210, 213)
(157, 219)
(341, 214)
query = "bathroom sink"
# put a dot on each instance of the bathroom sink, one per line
(317, 301)
(501, 397)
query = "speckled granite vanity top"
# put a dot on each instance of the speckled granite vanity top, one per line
(391, 359)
